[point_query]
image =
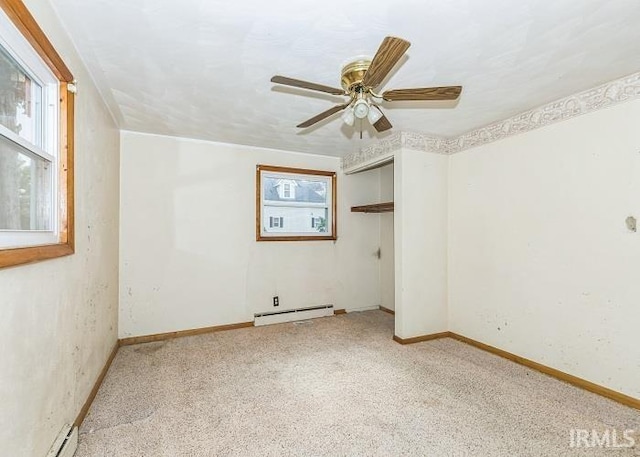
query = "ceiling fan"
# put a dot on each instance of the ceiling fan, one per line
(359, 79)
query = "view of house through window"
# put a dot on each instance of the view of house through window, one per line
(296, 205)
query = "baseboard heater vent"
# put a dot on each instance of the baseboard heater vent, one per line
(277, 317)
(66, 443)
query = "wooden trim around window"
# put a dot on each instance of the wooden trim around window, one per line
(24, 21)
(301, 171)
(66, 174)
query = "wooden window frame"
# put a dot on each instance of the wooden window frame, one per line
(26, 24)
(301, 171)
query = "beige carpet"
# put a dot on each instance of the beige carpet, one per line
(337, 386)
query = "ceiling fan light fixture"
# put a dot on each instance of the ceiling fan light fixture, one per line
(361, 109)
(348, 117)
(360, 78)
(374, 114)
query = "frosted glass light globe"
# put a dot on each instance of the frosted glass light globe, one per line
(361, 109)
(374, 115)
(348, 118)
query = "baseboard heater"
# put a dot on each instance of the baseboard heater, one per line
(290, 315)
(66, 443)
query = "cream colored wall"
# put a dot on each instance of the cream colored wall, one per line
(387, 273)
(420, 226)
(189, 258)
(541, 263)
(59, 317)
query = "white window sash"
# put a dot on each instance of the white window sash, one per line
(12, 40)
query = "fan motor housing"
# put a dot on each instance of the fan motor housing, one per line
(353, 73)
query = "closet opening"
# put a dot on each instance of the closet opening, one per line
(381, 212)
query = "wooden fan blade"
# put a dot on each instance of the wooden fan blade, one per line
(306, 85)
(424, 93)
(324, 114)
(389, 52)
(382, 124)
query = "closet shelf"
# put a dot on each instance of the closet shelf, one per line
(375, 208)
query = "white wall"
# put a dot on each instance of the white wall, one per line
(59, 317)
(420, 225)
(541, 263)
(387, 273)
(189, 258)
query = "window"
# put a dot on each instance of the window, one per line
(276, 222)
(318, 223)
(295, 204)
(36, 140)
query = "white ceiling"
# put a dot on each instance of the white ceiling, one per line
(201, 68)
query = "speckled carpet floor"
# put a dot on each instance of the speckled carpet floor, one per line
(336, 386)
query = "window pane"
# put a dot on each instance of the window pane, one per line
(25, 189)
(296, 199)
(20, 100)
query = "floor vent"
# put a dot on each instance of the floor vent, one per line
(66, 443)
(299, 314)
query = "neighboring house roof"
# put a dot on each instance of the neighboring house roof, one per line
(305, 191)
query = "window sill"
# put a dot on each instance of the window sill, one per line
(31, 254)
